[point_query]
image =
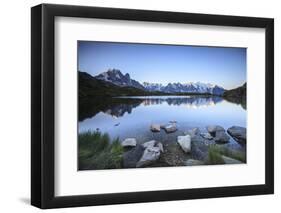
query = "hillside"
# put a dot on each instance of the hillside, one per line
(237, 95)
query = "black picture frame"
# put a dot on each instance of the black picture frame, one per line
(43, 117)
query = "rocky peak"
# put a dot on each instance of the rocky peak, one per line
(116, 77)
(127, 75)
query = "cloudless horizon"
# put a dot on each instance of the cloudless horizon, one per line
(158, 63)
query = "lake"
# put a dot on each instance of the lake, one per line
(125, 117)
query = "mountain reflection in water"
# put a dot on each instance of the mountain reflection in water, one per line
(188, 101)
(120, 105)
(123, 117)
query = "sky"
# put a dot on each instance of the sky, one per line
(158, 63)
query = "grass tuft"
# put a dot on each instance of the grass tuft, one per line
(215, 153)
(96, 151)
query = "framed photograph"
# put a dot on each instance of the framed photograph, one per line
(139, 106)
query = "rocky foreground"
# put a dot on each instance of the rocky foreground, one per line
(191, 148)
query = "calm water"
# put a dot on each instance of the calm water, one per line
(132, 117)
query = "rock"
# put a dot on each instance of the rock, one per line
(198, 153)
(149, 144)
(199, 149)
(193, 162)
(212, 129)
(197, 139)
(193, 132)
(174, 156)
(221, 137)
(218, 133)
(228, 160)
(153, 143)
(238, 133)
(155, 127)
(172, 121)
(160, 146)
(207, 136)
(131, 157)
(185, 143)
(129, 142)
(150, 155)
(170, 128)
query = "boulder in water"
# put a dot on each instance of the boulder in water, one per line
(155, 127)
(170, 128)
(185, 143)
(238, 133)
(129, 142)
(150, 155)
(221, 137)
(212, 129)
(130, 158)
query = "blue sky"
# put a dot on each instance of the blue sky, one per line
(155, 63)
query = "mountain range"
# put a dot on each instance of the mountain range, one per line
(116, 77)
(96, 93)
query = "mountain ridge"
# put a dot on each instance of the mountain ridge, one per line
(116, 77)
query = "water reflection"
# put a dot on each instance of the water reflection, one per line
(119, 106)
(125, 117)
(188, 101)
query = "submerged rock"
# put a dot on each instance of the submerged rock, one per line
(170, 128)
(197, 139)
(228, 160)
(221, 137)
(212, 129)
(160, 146)
(238, 133)
(155, 127)
(193, 132)
(129, 142)
(131, 157)
(150, 155)
(193, 162)
(207, 136)
(199, 149)
(185, 143)
(149, 144)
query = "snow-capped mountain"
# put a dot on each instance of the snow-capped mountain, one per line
(153, 86)
(116, 77)
(185, 88)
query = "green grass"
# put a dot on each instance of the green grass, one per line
(215, 153)
(238, 155)
(97, 151)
